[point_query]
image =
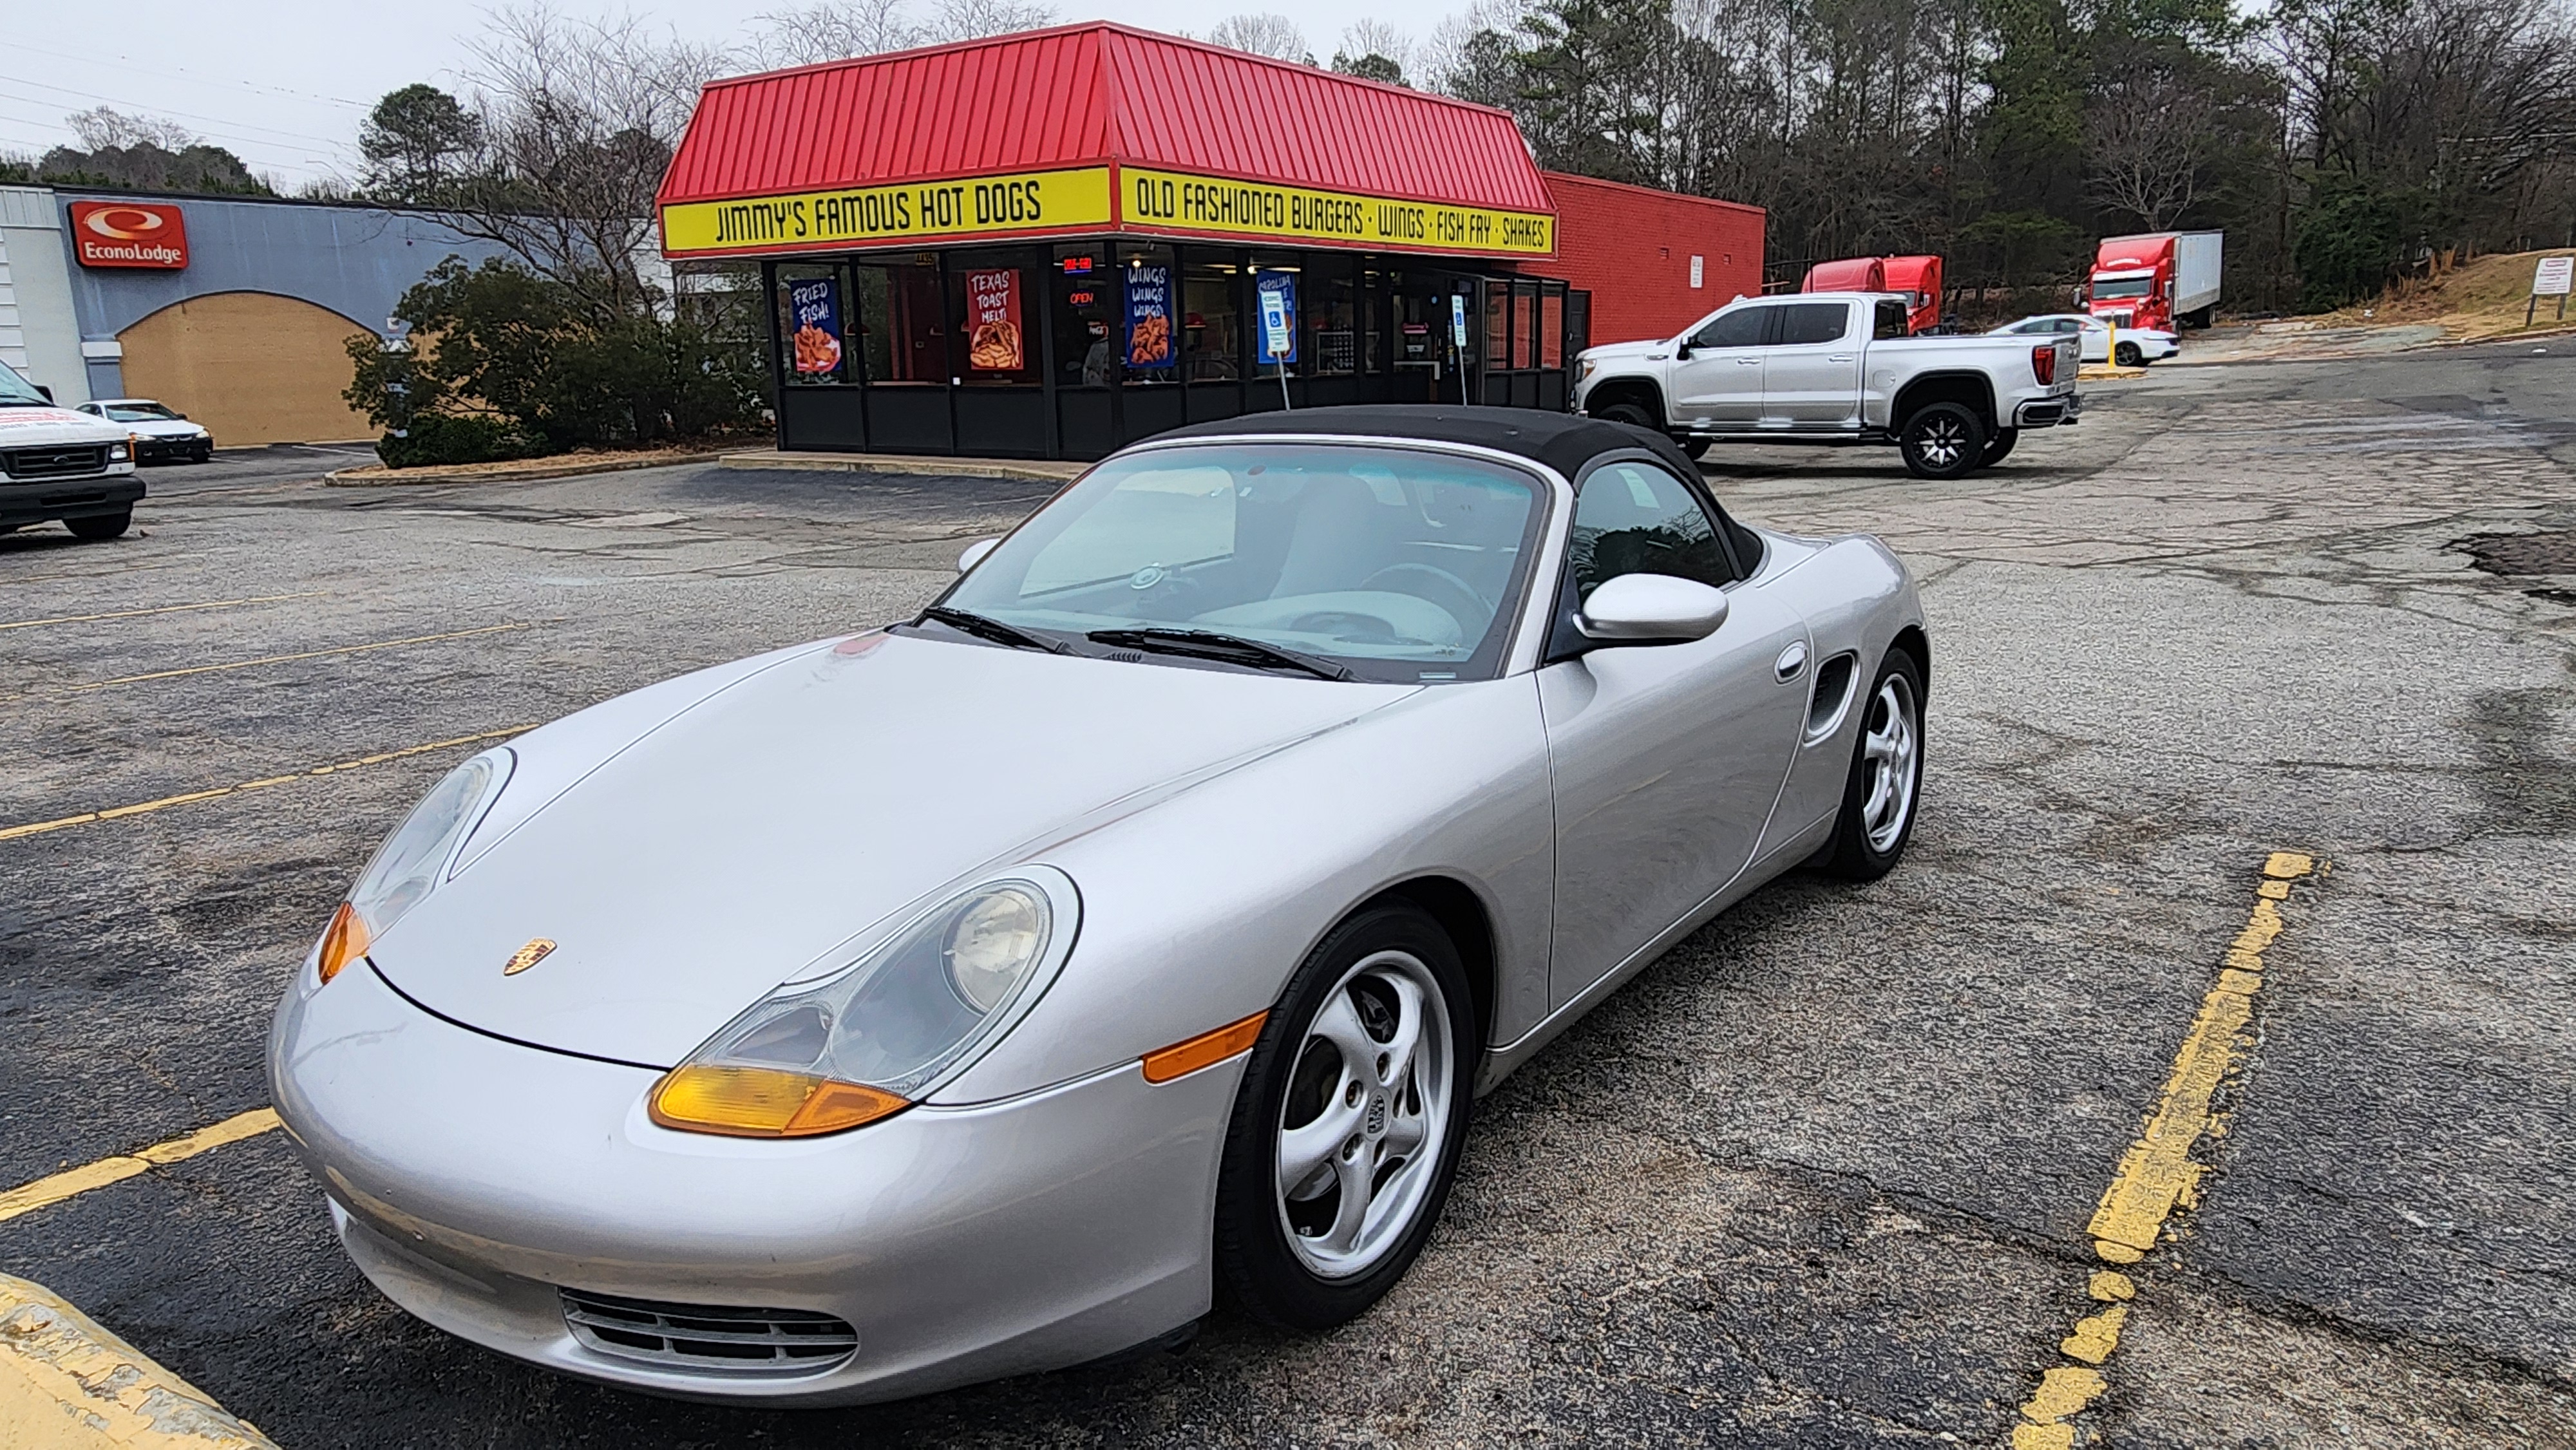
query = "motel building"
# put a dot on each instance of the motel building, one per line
(1054, 243)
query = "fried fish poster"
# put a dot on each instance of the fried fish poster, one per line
(994, 342)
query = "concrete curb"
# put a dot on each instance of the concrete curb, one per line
(66, 1383)
(1036, 469)
(372, 475)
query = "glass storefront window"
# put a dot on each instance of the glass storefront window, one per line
(1525, 323)
(1211, 318)
(1332, 315)
(1551, 328)
(814, 320)
(899, 314)
(1146, 325)
(1498, 324)
(1373, 318)
(992, 312)
(1086, 302)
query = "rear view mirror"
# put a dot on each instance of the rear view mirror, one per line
(975, 553)
(1651, 609)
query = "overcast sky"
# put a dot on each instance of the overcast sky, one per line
(284, 83)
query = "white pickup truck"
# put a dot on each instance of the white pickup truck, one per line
(58, 464)
(1835, 368)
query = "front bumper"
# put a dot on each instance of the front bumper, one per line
(472, 1178)
(163, 450)
(35, 501)
(2049, 412)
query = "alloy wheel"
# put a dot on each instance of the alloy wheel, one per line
(1942, 441)
(1366, 1115)
(1889, 748)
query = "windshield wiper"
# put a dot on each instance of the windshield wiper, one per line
(995, 630)
(1207, 644)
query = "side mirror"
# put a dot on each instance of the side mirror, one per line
(1682, 349)
(44, 392)
(975, 553)
(1651, 609)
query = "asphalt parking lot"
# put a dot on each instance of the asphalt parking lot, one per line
(1823, 1176)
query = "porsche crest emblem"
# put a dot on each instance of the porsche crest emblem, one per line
(527, 956)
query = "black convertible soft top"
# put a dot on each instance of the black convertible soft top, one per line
(1562, 441)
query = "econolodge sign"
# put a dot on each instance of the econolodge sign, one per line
(129, 234)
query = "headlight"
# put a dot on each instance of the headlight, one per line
(119, 452)
(877, 1036)
(412, 861)
(1584, 368)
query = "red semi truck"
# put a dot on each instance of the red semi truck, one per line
(2167, 280)
(1919, 278)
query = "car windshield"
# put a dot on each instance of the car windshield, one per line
(2118, 287)
(17, 392)
(140, 413)
(1400, 564)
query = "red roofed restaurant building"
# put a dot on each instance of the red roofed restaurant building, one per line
(1053, 243)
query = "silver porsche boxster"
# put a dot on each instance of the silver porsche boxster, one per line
(987, 993)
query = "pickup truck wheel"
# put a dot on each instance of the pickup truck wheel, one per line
(97, 528)
(1695, 447)
(1625, 412)
(1942, 440)
(1999, 445)
(2127, 355)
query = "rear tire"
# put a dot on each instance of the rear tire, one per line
(98, 528)
(1999, 445)
(1942, 441)
(1697, 448)
(1309, 1254)
(1876, 819)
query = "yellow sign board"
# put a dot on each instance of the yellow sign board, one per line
(981, 206)
(1150, 199)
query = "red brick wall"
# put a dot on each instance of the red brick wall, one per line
(1632, 248)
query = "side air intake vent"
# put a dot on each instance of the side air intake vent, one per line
(707, 1339)
(1833, 695)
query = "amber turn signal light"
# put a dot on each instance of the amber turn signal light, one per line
(763, 1102)
(1205, 1050)
(343, 941)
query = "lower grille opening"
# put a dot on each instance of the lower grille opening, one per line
(708, 1338)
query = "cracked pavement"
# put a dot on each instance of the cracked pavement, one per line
(1819, 1177)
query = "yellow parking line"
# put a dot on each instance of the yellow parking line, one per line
(38, 828)
(71, 1182)
(164, 609)
(311, 654)
(2158, 1175)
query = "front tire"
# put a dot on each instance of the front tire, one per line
(1877, 815)
(98, 528)
(1348, 1124)
(1624, 411)
(1697, 448)
(1942, 441)
(2128, 355)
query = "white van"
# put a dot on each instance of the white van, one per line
(59, 464)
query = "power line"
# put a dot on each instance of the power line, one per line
(249, 144)
(147, 106)
(186, 75)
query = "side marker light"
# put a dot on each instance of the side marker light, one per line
(1205, 1050)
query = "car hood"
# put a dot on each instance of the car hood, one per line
(165, 428)
(748, 838)
(37, 427)
(1625, 351)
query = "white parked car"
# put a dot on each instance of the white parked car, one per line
(2136, 346)
(163, 433)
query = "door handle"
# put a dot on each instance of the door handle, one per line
(1791, 661)
(1746, 362)
(1843, 357)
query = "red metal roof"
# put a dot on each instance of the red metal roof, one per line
(1089, 95)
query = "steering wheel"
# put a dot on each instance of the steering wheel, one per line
(1461, 600)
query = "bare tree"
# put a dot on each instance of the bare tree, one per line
(575, 121)
(1275, 36)
(840, 29)
(102, 127)
(2153, 141)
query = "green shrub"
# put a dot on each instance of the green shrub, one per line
(437, 438)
